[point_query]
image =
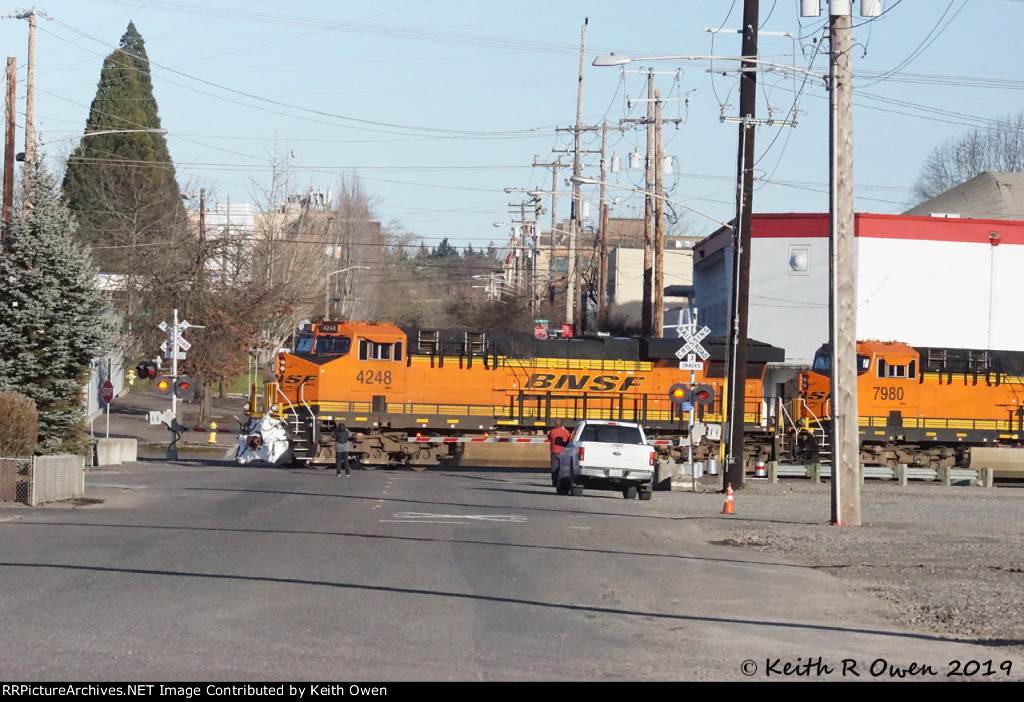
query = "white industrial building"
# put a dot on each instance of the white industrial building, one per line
(938, 281)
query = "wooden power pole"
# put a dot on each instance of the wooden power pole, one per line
(30, 88)
(735, 466)
(843, 278)
(12, 81)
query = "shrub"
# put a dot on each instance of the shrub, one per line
(19, 424)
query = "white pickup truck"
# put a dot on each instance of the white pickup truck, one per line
(607, 455)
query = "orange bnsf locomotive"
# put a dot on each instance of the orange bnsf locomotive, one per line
(919, 407)
(416, 398)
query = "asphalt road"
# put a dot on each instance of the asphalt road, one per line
(201, 570)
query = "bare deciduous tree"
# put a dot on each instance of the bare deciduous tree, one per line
(999, 147)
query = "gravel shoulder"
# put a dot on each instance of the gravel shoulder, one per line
(948, 560)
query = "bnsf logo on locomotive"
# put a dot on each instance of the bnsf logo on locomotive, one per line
(297, 379)
(568, 381)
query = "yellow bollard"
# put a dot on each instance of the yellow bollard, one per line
(213, 433)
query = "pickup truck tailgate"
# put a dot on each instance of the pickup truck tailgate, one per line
(616, 459)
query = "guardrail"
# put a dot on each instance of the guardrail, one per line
(901, 473)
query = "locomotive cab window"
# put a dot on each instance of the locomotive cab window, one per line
(891, 370)
(333, 345)
(324, 345)
(823, 363)
(375, 351)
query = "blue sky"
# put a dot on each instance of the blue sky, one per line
(438, 105)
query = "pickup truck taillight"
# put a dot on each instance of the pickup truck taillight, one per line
(652, 459)
(579, 454)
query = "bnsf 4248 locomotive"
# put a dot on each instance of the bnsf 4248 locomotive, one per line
(415, 398)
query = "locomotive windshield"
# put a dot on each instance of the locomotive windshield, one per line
(324, 345)
(823, 363)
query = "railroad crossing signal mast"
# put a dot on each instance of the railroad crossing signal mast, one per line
(176, 386)
(686, 397)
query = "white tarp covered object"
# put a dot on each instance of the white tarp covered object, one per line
(266, 439)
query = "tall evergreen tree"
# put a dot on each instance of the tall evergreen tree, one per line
(122, 186)
(53, 318)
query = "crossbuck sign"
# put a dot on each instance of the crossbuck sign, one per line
(692, 348)
(175, 340)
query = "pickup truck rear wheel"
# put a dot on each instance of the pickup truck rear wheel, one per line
(629, 492)
(576, 490)
(645, 494)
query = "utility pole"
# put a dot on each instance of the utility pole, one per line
(602, 244)
(554, 166)
(653, 208)
(645, 311)
(12, 80)
(735, 463)
(843, 278)
(658, 316)
(30, 87)
(572, 292)
(602, 263)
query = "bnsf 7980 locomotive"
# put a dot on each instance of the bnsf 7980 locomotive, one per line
(918, 407)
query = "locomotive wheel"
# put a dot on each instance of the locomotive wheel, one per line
(419, 468)
(368, 466)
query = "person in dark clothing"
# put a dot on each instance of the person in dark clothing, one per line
(341, 439)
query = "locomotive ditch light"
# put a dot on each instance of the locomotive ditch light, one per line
(164, 385)
(679, 393)
(703, 395)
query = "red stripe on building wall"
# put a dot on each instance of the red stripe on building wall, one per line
(875, 226)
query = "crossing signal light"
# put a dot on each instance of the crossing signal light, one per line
(145, 370)
(164, 385)
(184, 388)
(679, 394)
(703, 395)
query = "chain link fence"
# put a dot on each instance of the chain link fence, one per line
(41, 479)
(15, 479)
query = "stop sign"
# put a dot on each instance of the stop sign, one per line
(107, 392)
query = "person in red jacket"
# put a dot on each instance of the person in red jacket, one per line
(558, 437)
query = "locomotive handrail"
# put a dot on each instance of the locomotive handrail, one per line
(279, 391)
(817, 421)
(302, 399)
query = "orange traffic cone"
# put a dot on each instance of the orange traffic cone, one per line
(728, 508)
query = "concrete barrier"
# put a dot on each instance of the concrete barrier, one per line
(1007, 462)
(501, 455)
(114, 452)
(665, 472)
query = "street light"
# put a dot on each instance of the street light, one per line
(327, 287)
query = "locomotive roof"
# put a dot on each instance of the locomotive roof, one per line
(524, 345)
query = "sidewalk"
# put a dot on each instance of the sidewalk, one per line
(129, 418)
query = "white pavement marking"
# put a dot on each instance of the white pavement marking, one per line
(116, 486)
(427, 517)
